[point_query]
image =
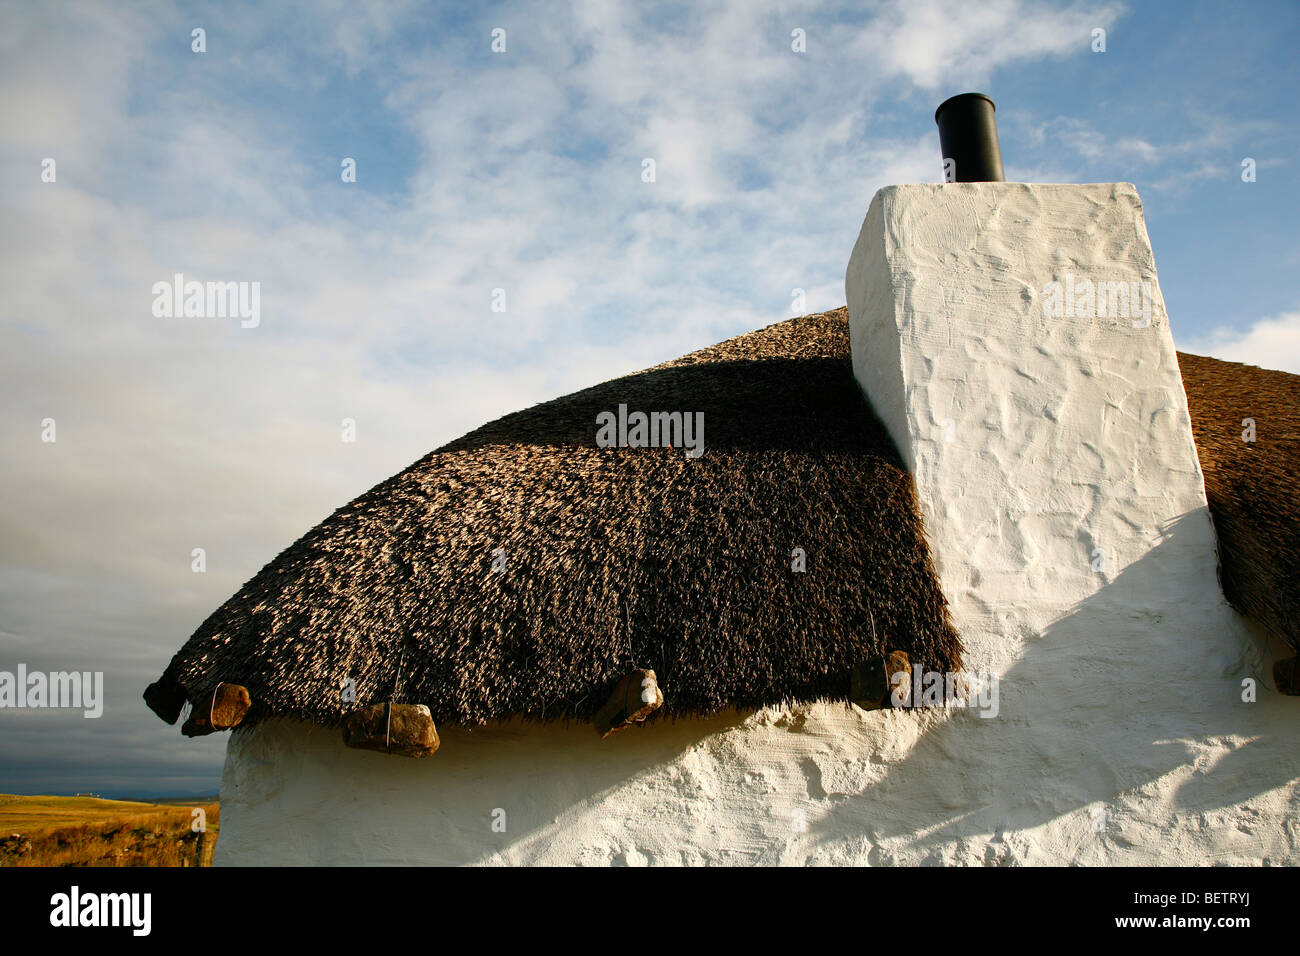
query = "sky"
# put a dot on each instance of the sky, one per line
(511, 178)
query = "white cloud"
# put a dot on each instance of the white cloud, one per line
(1203, 153)
(1270, 343)
(954, 43)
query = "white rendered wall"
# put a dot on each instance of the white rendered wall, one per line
(1121, 736)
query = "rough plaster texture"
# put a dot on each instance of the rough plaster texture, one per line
(1121, 736)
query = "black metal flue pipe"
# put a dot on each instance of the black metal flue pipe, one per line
(968, 136)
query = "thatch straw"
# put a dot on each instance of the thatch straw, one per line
(1253, 487)
(615, 558)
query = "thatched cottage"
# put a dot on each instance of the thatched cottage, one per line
(983, 471)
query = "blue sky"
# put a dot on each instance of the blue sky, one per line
(520, 171)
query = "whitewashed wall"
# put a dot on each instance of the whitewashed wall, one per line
(1121, 736)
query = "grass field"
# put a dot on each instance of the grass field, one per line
(88, 831)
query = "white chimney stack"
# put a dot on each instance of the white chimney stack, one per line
(1014, 341)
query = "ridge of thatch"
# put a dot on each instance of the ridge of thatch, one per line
(615, 558)
(1252, 486)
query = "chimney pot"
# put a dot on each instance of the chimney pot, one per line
(968, 136)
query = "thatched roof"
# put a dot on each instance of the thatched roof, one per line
(614, 558)
(1253, 487)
